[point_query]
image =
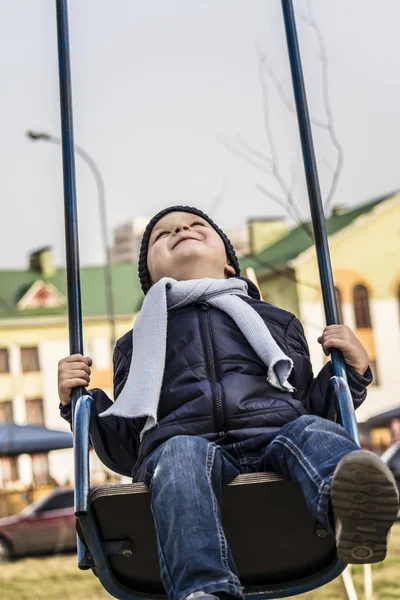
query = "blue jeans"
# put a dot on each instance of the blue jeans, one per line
(185, 476)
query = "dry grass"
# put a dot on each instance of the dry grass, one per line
(55, 578)
(385, 577)
(58, 578)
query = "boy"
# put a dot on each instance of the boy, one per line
(221, 383)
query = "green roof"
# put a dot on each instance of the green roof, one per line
(126, 286)
(297, 240)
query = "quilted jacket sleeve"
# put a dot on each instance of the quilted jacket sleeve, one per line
(315, 392)
(120, 436)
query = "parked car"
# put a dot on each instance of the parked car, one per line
(392, 458)
(47, 525)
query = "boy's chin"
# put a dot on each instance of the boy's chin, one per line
(195, 267)
(189, 257)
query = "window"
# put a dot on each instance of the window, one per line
(372, 364)
(338, 295)
(6, 411)
(34, 411)
(30, 359)
(4, 363)
(59, 502)
(40, 468)
(361, 307)
(9, 469)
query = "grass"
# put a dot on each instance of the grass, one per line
(58, 578)
(385, 577)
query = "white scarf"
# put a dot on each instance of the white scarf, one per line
(141, 392)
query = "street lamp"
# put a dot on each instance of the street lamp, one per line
(35, 136)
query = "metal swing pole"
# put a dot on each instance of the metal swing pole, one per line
(339, 380)
(70, 205)
(81, 427)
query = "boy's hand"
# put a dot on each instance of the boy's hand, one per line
(73, 371)
(344, 339)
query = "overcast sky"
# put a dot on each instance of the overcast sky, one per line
(156, 82)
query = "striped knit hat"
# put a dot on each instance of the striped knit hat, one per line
(144, 275)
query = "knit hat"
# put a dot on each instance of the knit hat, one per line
(144, 274)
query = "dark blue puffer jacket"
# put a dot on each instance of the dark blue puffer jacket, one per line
(215, 385)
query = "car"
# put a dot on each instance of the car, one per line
(45, 526)
(392, 458)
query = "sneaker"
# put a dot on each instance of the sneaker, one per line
(365, 502)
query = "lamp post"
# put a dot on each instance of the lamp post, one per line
(35, 136)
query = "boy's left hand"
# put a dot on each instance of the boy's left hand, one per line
(344, 339)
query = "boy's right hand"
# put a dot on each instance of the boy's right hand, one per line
(73, 371)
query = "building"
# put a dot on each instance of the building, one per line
(365, 250)
(34, 337)
(127, 238)
(258, 233)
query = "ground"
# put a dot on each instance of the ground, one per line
(58, 578)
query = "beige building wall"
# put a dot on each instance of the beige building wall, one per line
(281, 290)
(266, 231)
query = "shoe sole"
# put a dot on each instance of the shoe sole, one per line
(365, 502)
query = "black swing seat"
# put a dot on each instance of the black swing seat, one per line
(277, 546)
(273, 537)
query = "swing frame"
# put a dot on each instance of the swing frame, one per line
(92, 553)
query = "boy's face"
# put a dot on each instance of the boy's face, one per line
(184, 246)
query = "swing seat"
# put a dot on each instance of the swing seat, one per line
(277, 546)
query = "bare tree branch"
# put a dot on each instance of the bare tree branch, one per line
(305, 19)
(253, 150)
(250, 160)
(281, 201)
(288, 208)
(270, 137)
(310, 21)
(287, 201)
(328, 164)
(270, 164)
(218, 199)
(289, 105)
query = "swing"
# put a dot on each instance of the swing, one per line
(278, 548)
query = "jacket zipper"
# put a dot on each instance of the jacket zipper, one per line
(217, 394)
